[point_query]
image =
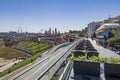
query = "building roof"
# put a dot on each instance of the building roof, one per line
(109, 25)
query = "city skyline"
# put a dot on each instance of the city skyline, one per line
(34, 15)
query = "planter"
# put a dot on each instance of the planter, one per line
(78, 53)
(90, 54)
(79, 48)
(87, 68)
(112, 70)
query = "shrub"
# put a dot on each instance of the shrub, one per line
(114, 36)
(23, 63)
(82, 58)
(94, 59)
(72, 58)
(111, 34)
(103, 60)
(115, 60)
(114, 39)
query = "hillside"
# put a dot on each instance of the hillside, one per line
(10, 53)
(115, 37)
(34, 47)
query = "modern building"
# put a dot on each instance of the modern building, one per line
(92, 27)
(103, 31)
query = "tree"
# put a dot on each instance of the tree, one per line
(111, 34)
(94, 35)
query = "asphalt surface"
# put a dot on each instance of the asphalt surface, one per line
(33, 70)
(35, 65)
(38, 69)
(33, 73)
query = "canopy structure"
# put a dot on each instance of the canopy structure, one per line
(103, 30)
(107, 26)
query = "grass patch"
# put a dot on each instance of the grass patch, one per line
(10, 53)
(31, 47)
(34, 47)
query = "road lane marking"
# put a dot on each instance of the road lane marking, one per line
(30, 68)
(43, 65)
(50, 60)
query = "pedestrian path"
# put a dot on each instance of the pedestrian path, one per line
(103, 51)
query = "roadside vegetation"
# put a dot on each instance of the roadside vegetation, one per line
(96, 59)
(34, 46)
(10, 53)
(114, 36)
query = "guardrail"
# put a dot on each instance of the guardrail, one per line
(24, 50)
(66, 73)
(63, 45)
(32, 67)
(41, 76)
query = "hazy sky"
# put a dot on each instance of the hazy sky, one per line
(34, 15)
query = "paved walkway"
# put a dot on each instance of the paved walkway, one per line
(103, 51)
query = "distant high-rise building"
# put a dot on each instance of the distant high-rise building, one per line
(55, 31)
(59, 33)
(92, 27)
(46, 33)
(19, 30)
(50, 31)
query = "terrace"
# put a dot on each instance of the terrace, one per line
(83, 69)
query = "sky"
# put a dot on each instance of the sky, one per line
(65, 15)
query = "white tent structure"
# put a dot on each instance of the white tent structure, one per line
(109, 25)
(103, 31)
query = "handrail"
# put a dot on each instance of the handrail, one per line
(66, 72)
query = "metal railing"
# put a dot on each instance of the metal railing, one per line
(66, 73)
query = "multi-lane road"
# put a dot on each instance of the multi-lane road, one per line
(33, 71)
(38, 69)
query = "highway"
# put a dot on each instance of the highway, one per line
(32, 72)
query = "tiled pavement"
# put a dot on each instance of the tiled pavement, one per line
(103, 51)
